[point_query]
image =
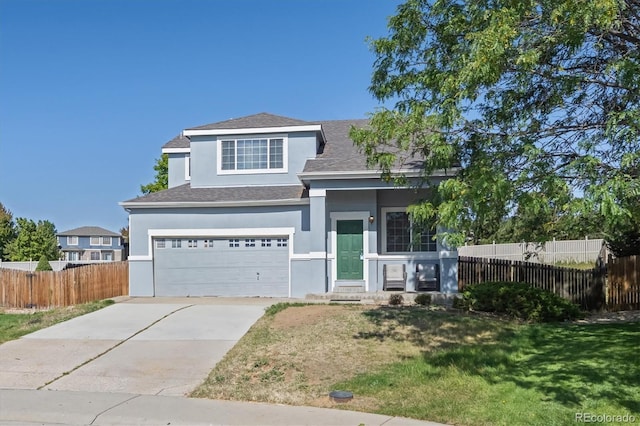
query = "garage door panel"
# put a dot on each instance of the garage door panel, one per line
(221, 267)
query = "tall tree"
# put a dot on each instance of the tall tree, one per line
(527, 101)
(34, 241)
(7, 230)
(162, 176)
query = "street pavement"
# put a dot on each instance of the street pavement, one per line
(132, 363)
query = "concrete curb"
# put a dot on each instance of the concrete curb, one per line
(30, 407)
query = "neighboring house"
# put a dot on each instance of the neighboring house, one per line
(273, 206)
(90, 243)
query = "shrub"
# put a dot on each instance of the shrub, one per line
(396, 299)
(43, 265)
(519, 300)
(423, 299)
(458, 303)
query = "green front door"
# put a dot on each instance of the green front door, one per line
(349, 250)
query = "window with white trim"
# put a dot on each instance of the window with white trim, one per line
(234, 243)
(176, 243)
(281, 242)
(250, 243)
(107, 255)
(160, 243)
(266, 242)
(192, 243)
(255, 154)
(71, 255)
(106, 241)
(94, 241)
(72, 241)
(95, 255)
(187, 167)
(208, 243)
(401, 236)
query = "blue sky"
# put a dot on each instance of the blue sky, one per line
(90, 90)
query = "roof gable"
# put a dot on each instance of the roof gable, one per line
(260, 120)
(89, 231)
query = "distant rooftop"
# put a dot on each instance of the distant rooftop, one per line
(89, 231)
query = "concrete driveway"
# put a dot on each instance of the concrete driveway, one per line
(141, 346)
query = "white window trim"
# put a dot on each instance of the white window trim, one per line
(285, 155)
(91, 243)
(70, 239)
(103, 243)
(187, 167)
(383, 229)
(335, 217)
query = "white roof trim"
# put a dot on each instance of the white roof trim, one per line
(176, 150)
(247, 131)
(186, 204)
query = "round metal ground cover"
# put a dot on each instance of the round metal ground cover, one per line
(341, 396)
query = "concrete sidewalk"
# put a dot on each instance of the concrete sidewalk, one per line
(31, 407)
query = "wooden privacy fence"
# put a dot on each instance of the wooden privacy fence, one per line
(623, 283)
(615, 287)
(582, 287)
(22, 289)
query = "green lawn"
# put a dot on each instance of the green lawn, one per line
(527, 375)
(15, 325)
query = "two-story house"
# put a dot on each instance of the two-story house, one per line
(266, 205)
(90, 243)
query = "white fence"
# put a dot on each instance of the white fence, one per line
(551, 252)
(56, 265)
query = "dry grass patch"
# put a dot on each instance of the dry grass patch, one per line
(15, 323)
(296, 355)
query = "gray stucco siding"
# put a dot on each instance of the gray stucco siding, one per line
(308, 276)
(204, 167)
(141, 278)
(142, 220)
(177, 173)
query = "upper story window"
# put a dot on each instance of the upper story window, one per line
(72, 241)
(100, 241)
(256, 155)
(399, 235)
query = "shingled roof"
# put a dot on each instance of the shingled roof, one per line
(89, 231)
(186, 194)
(260, 120)
(339, 153)
(179, 141)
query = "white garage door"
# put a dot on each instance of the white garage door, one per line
(247, 266)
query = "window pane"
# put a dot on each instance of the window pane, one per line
(106, 241)
(228, 155)
(398, 232)
(425, 241)
(252, 154)
(95, 241)
(276, 154)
